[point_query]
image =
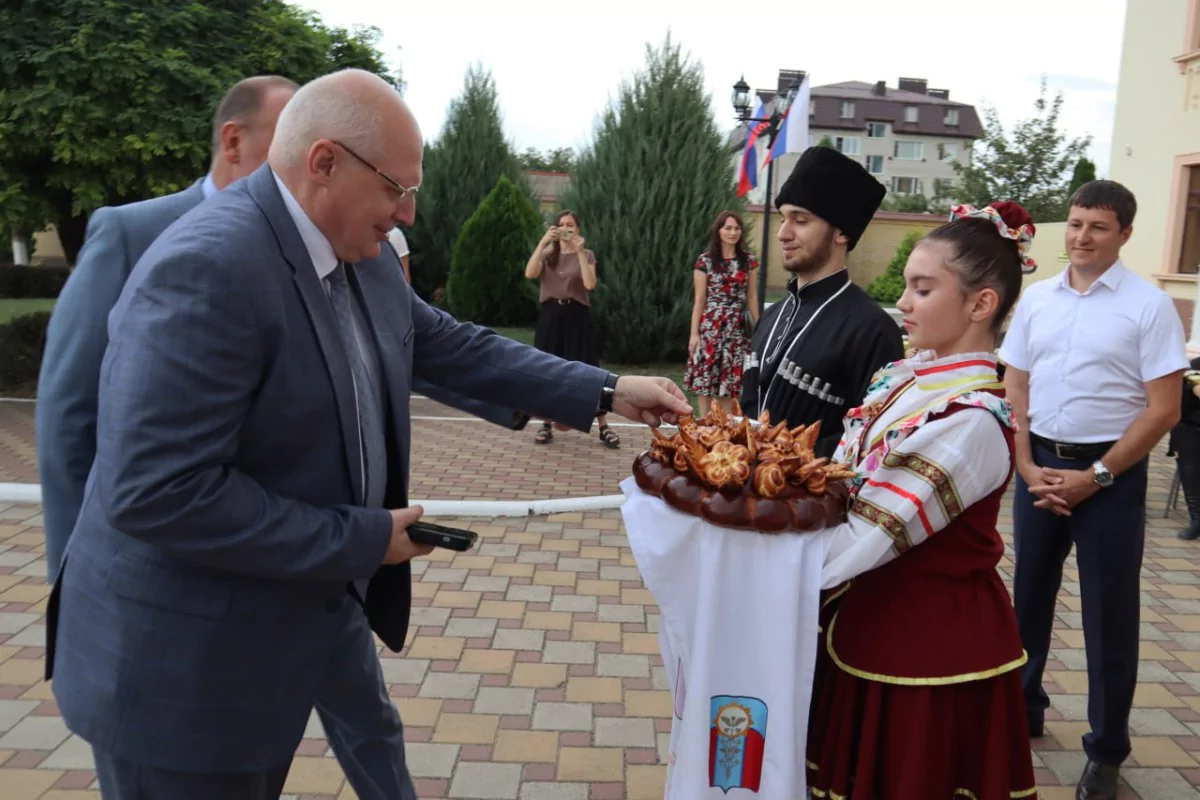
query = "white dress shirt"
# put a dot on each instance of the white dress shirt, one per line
(398, 241)
(1090, 354)
(319, 248)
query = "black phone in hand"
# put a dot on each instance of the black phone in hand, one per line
(427, 533)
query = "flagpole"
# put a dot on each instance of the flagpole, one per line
(765, 253)
(773, 124)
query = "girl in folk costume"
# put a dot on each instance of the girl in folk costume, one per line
(919, 693)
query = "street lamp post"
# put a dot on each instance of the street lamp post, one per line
(772, 123)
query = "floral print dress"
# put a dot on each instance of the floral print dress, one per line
(716, 368)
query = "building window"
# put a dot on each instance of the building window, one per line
(951, 117)
(847, 109)
(947, 152)
(908, 151)
(910, 113)
(874, 164)
(812, 107)
(943, 187)
(876, 130)
(1189, 239)
(908, 186)
(846, 145)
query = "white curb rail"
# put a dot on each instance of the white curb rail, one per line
(488, 509)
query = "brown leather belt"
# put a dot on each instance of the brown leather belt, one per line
(1072, 452)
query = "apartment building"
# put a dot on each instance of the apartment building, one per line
(908, 136)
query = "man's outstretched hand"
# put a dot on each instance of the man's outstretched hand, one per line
(649, 400)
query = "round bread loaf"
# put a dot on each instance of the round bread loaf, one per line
(794, 509)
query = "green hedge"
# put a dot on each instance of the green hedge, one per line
(22, 341)
(20, 281)
(888, 287)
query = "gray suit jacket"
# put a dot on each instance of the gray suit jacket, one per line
(192, 621)
(75, 342)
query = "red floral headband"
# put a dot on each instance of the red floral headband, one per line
(1022, 234)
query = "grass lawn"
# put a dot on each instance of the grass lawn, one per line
(672, 371)
(15, 307)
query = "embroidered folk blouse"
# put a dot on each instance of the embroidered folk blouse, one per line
(917, 474)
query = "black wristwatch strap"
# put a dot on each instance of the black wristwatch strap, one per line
(606, 395)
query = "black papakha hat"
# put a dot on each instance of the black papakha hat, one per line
(837, 189)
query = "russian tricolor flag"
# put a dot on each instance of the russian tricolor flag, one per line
(748, 174)
(793, 133)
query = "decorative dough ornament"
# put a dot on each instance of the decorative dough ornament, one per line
(748, 475)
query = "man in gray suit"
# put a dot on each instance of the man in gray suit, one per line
(359, 719)
(252, 457)
(78, 332)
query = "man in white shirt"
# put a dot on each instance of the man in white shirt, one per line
(1094, 361)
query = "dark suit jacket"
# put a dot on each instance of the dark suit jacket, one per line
(219, 529)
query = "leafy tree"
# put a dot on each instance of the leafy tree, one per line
(487, 282)
(646, 190)
(1085, 172)
(461, 168)
(826, 141)
(888, 287)
(104, 108)
(1029, 166)
(560, 159)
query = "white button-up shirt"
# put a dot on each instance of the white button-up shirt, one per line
(1090, 354)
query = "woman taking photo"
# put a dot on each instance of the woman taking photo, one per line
(725, 295)
(567, 273)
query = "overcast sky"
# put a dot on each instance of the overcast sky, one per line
(557, 64)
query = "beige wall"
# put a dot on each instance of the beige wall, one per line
(1048, 251)
(47, 249)
(1156, 131)
(868, 259)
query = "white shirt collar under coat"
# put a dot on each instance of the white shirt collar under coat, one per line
(319, 249)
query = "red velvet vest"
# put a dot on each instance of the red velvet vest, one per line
(937, 614)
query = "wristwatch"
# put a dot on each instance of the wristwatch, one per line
(1103, 477)
(607, 393)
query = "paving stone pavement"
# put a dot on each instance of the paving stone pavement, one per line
(461, 458)
(532, 670)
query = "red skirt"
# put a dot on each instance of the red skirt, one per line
(870, 740)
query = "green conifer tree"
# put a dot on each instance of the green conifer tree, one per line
(647, 190)
(460, 169)
(487, 276)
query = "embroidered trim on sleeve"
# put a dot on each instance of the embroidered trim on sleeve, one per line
(932, 473)
(885, 520)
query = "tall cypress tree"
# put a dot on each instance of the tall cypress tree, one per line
(647, 190)
(460, 170)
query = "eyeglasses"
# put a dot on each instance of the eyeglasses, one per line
(404, 191)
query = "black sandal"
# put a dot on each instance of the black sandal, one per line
(544, 435)
(609, 437)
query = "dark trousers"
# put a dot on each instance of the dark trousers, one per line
(124, 780)
(1108, 531)
(360, 722)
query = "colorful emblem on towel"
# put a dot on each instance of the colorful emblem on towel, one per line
(736, 741)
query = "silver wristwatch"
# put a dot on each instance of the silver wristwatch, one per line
(1103, 478)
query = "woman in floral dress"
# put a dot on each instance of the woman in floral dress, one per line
(725, 293)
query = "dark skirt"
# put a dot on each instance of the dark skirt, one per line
(566, 330)
(879, 741)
